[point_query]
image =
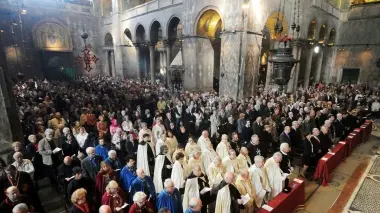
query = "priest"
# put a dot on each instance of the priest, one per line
(228, 198)
(244, 161)
(143, 183)
(230, 162)
(259, 180)
(128, 173)
(170, 197)
(215, 172)
(208, 155)
(223, 147)
(274, 173)
(145, 155)
(178, 175)
(245, 187)
(203, 139)
(197, 185)
(195, 159)
(162, 169)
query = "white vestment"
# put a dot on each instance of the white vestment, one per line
(214, 123)
(274, 175)
(191, 190)
(208, 156)
(157, 131)
(157, 179)
(178, 175)
(223, 200)
(243, 162)
(202, 142)
(222, 149)
(142, 158)
(230, 165)
(159, 143)
(215, 174)
(260, 182)
(192, 162)
(191, 147)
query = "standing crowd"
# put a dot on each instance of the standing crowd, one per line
(124, 146)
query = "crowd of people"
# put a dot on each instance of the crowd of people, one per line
(124, 146)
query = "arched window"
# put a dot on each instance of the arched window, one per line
(311, 30)
(108, 40)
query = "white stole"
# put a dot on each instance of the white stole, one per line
(158, 166)
(178, 175)
(142, 158)
(274, 174)
(191, 190)
(223, 200)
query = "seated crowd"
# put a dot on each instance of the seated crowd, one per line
(123, 146)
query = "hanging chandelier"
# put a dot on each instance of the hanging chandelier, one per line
(282, 59)
(86, 57)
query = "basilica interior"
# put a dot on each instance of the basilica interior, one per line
(226, 46)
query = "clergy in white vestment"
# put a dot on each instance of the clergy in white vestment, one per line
(144, 130)
(230, 162)
(197, 186)
(195, 159)
(215, 172)
(223, 147)
(228, 198)
(243, 159)
(161, 142)
(191, 146)
(202, 140)
(158, 129)
(171, 141)
(179, 175)
(274, 174)
(145, 155)
(181, 149)
(162, 168)
(208, 155)
(259, 180)
(245, 187)
(214, 123)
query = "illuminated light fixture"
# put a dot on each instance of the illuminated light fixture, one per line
(316, 49)
(245, 4)
(23, 11)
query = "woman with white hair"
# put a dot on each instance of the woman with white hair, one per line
(141, 204)
(114, 197)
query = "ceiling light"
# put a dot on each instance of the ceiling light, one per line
(316, 49)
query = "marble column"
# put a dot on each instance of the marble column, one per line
(137, 46)
(152, 61)
(117, 40)
(297, 49)
(308, 69)
(269, 76)
(168, 49)
(318, 72)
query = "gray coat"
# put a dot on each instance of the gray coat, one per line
(45, 151)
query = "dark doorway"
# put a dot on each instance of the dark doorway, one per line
(109, 59)
(57, 65)
(350, 75)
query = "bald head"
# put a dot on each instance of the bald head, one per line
(140, 173)
(105, 209)
(195, 204)
(229, 177)
(67, 160)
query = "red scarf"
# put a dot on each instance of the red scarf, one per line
(84, 207)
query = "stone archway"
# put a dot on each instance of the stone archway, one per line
(331, 39)
(312, 30)
(210, 26)
(322, 34)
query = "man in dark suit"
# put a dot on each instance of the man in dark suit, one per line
(91, 164)
(326, 143)
(296, 137)
(285, 137)
(285, 162)
(339, 127)
(257, 126)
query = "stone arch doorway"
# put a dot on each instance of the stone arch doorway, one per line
(142, 52)
(110, 56)
(127, 37)
(156, 52)
(173, 47)
(210, 26)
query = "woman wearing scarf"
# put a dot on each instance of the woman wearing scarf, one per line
(80, 204)
(113, 197)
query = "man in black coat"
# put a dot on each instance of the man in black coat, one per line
(91, 164)
(254, 148)
(296, 137)
(326, 143)
(285, 164)
(339, 127)
(285, 137)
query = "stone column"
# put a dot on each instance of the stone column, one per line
(269, 76)
(168, 49)
(308, 69)
(152, 61)
(318, 72)
(137, 46)
(116, 35)
(292, 84)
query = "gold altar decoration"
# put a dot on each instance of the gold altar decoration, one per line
(52, 36)
(271, 22)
